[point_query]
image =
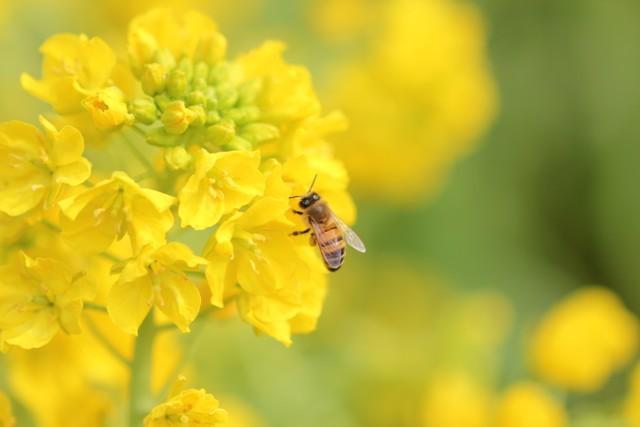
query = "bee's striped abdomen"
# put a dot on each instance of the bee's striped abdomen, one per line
(331, 243)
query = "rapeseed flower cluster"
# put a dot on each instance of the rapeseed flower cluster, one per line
(143, 147)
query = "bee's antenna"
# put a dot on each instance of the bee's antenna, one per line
(312, 183)
(310, 187)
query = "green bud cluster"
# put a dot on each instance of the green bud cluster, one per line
(198, 102)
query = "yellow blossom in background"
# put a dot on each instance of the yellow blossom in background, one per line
(156, 277)
(35, 167)
(6, 415)
(38, 297)
(528, 405)
(190, 407)
(417, 101)
(584, 339)
(96, 217)
(77, 74)
(456, 400)
(221, 183)
(341, 20)
(632, 402)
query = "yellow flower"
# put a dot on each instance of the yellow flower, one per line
(417, 100)
(113, 208)
(584, 339)
(456, 400)
(6, 416)
(632, 402)
(107, 108)
(35, 167)
(287, 93)
(156, 277)
(527, 405)
(187, 408)
(189, 34)
(221, 183)
(77, 72)
(282, 281)
(38, 297)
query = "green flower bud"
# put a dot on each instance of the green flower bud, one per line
(176, 83)
(196, 97)
(200, 115)
(186, 66)
(153, 78)
(238, 143)
(201, 71)
(227, 97)
(219, 73)
(243, 115)
(212, 98)
(257, 133)
(144, 110)
(213, 117)
(177, 118)
(177, 157)
(160, 138)
(199, 83)
(162, 101)
(222, 132)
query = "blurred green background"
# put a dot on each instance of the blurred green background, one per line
(544, 204)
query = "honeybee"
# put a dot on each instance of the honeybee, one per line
(328, 232)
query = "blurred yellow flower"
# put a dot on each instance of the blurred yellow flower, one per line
(418, 100)
(187, 408)
(76, 74)
(584, 339)
(527, 405)
(456, 400)
(632, 402)
(107, 211)
(221, 183)
(156, 277)
(6, 415)
(35, 167)
(38, 297)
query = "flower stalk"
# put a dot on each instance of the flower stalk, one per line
(140, 398)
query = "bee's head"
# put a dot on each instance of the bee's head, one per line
(309, 200)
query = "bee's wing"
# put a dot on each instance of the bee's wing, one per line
(350, 236)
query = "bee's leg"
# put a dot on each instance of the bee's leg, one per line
(297, 233)
(297, 212)
(312, 239)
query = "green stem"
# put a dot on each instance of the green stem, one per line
(140, 398)
(106, 343)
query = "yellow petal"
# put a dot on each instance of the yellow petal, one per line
(129, 303)
(38, 331)
(73, 173)
(199, 207)
(179, 299)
